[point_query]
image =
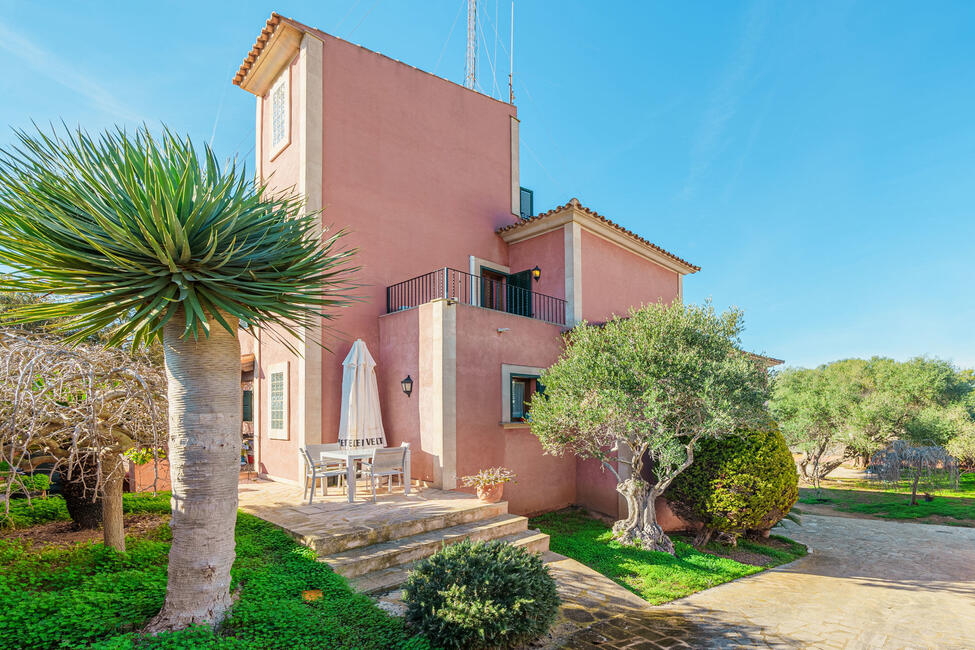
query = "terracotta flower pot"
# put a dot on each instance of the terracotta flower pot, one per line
(490, 493)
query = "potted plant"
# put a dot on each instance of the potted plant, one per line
(489, 483)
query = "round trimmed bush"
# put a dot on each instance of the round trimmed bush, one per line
(481, 595)
(737, 484)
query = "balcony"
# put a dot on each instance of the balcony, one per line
(474, 290)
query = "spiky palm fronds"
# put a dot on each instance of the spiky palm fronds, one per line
(128, 231)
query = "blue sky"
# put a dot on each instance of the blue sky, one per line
(816, 159)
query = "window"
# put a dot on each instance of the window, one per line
(281, 112)
(518, 385)
(527, 203)
(277, 396)
(247, 415)
(522, 389)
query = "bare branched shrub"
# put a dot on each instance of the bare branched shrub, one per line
(926, 467)
(76, 408)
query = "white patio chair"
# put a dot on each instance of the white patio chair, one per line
(316, 468)
(386, 463)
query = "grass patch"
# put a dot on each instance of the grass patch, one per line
(656, 577)
(87, 595)
(865, 497)
(23, 513)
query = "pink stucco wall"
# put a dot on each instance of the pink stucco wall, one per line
(614, 279)
(544, 482)
(547, 251)
(418, 171)
(399, 356)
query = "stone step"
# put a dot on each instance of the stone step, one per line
(358, 561)
(330, 544)
(383, 580)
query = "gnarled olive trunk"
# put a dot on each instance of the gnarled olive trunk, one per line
(82, 500)
(640, 528)
(204, 464)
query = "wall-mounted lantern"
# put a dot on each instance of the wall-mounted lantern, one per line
(536, 273)
(407, 385)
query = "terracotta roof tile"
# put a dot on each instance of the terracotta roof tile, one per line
(255, 52)
(596, 215)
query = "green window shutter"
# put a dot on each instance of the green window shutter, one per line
(248, 412)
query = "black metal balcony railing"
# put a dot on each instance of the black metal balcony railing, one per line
(474, 290)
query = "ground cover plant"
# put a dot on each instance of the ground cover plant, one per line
(952, 506)
(88, 595)
(655, 576)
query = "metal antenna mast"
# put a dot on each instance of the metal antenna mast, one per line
(511, 54)
(471, 44)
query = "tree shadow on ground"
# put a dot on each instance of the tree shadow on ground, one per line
(668, 628)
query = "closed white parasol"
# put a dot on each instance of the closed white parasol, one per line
(361, 422)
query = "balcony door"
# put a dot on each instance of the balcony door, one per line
(519, 293)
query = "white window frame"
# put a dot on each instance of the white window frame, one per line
(283, 432)
(284, 80)
(507, 370)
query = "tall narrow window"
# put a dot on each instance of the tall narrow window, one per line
(248, 406)
(281, 112)
(278, 401)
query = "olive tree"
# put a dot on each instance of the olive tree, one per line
(639, 392)
(147, 239)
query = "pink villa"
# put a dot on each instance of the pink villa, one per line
(465, 289)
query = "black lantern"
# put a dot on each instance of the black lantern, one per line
(407, 385)
(536, 273)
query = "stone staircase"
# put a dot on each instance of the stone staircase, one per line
(379, 560)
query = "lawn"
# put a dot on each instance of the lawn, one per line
(654, 576)
(85, 595)
(955, 507)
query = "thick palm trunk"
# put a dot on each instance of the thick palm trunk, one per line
(204, 464)
(112, 516)
(640, 528)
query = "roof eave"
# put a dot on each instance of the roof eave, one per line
(275, 48)
(598, 225)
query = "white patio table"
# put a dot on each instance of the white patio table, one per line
(352, 456)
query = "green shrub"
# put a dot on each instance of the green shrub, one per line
(22, 483)
(481, 595)
(737, 484)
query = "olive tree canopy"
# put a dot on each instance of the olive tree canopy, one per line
(639, 392)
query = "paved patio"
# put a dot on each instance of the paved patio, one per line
(867, 584)
(332, 524)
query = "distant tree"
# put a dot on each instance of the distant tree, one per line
(854, 407)
(904, 400)
(642, 391)
(812, 407)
